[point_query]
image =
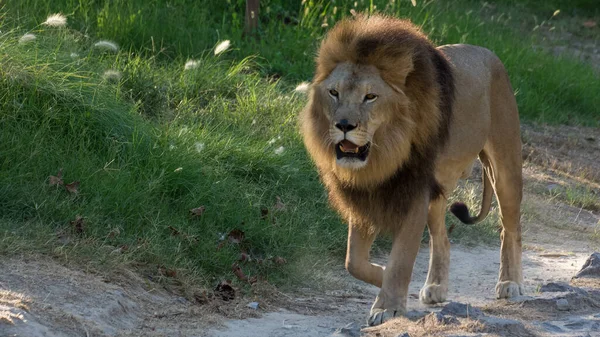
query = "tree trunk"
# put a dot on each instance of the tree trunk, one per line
(252, 7)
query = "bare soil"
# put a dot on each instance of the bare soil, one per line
(42, 297)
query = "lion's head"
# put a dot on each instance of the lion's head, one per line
(373, 101)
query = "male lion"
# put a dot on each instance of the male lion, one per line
(392, 123)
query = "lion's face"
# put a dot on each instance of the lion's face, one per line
(356, 104)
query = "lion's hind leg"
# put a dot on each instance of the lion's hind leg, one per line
(504, 150)
(508, 185)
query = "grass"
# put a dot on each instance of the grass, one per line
(153, 141)
(579, 196)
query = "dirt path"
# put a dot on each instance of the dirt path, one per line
(474, 273)
(40, 297)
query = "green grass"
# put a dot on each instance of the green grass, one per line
(160, 140)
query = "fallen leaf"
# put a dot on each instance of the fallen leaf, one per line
(198, 211)
(414, 2)
(56, 180)
(78, 224)
(174, 231)
(451, 228)
(220, 245)
(279, 260)
(553, 255)
(238, 272)
(235, 236)
(72, 187)
(244, 257)
(201, 297)
(264, 213)
(590, 24)
(170, 273)
(225, 290)
(113, 233)
(252, 279)
(279, 205)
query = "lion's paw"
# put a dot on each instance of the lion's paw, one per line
(508, 289)
(380, 316)
(433, 293)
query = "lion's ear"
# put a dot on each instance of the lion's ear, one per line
(396, 72)
(397, 89)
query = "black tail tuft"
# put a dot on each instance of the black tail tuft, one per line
(461, 211)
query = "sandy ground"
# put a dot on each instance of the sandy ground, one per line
(40, 297)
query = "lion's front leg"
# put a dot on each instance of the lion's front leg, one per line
(360, 240)
(391, 301)
(435, 289)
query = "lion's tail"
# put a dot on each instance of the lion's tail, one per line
(461, 211)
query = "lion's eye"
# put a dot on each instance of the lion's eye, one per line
(334, 93)
(370, 97)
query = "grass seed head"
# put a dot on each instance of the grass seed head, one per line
(27, 38)
(222, 46)
(302, 87)
(191, 64)
(105, 45)
(55, 20)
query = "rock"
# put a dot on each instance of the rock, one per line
(553, 287)
(404, 335)
(349, 330)
(591, 267)
(461, 310)
(253, 305)
(551, 327)
(415, 315)
(577, 324)
(562, 304)
(520, 298)
(508, 327)
(437, 318)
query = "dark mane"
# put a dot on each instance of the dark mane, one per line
(406, 60)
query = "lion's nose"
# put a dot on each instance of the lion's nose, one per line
(345, 126)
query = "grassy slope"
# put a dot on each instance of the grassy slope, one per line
(160, 140)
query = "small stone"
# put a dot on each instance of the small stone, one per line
(461, 310)
(253, 305)
(562, 304)
(521, 298)
(591, 267)
(404, 335)
(349, 330)
(578, 324)
(437, 318)
(415, 315)
(561, 287)
(510, 326)
(551, 327)
(552, 187)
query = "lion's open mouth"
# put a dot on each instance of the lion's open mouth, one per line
(347, 149)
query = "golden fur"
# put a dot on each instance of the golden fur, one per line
(435, 111)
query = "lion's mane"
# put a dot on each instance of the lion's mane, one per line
(396, 172)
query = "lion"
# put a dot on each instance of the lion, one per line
(392, 123)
